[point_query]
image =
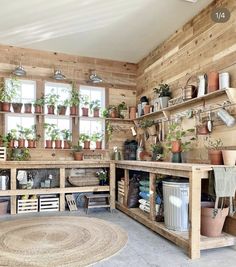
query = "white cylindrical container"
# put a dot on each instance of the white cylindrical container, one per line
(176, 199)
(139, 150)
(224, 80)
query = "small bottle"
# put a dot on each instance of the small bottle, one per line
(48, 181)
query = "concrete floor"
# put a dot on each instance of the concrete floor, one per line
(145, 248)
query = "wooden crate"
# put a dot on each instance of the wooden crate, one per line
(3, 154)
(48, 203)
(121, 194)
(27, 205)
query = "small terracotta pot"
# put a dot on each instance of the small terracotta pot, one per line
(213, 81)
(38, 109)
(67, 144)
(58, 144)
(49, 143)
(17, 107)
(21, 143)
(98, 144)
(11, 144)
(132, 113)
(78, 155)
(176, 146)
(62, 110)
(85, 112)
(31, 143)
(73, 110)
(86, 144)
(51, 109)
(146, 109)
(96, 112)
(113, 113)
(215, 157)
(6, 107)
(28, 108)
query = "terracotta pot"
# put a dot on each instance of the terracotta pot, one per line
(17, 107)
(96, 112)
(146, 109)
(152, 130)
(11, 144)
(98, 144)
(78, 155)
(212, 222)
(67, 144)
(6, 107)
(215, 157)
(58, 144)
(86, 144)
(113, 113)
(85, 112)
(51, 109)
(31, 143)
(61, 110)
(213, 81)
(28, 108)
(73, 110)
(21, 143)
(38, 109)
(229, 157)
(176, 146)
(35, 143)
(132, 113)
(49, 143)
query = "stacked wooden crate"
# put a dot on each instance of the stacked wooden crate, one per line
(48, 203)
(121, 185)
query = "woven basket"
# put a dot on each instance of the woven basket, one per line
(83, 180)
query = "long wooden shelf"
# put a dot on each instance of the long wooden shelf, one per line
(119, 120)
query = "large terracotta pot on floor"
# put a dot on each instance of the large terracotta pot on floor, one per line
(6, 107)
(215, 157)
(78, 155)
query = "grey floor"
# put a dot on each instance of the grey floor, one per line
(145, 248)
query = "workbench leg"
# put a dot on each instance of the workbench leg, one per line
(194, 214)
(112, 186)
(152, 192)
(62, 201)
(62, 185)
(126, 188)
(13, 187)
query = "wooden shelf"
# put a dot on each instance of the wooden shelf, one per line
(38, 114)
(230, 92)
(119, 120)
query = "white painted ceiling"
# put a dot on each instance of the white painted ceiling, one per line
(124, 30)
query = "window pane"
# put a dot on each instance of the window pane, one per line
(13, 121)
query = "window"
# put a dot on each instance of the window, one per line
(26, 93)
(90, 125)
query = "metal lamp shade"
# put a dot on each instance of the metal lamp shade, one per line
(58, 75)
(19, 71)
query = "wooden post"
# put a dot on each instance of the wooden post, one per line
(152, 192)
(112, 186)
(13, 187)
(62, 185)
(126, 187)
(194, 214)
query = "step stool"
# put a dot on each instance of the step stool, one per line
(97, 201)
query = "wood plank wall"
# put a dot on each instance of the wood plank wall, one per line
(119, 79)
(198, 47)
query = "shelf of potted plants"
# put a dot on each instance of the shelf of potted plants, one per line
(85, 139)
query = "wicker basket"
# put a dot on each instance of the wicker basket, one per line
(83, 180)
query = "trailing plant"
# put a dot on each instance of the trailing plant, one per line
(109, 130)
(96, 137)
(84, 137)
(176, 133)
(95, 104)
(213, 144)
(66, 134)
(146, 123)
(9, 90)
(51, 99)
(163, 90)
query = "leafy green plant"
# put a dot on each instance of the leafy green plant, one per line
(20, 154)
(4, 140)
(105, 113)
(9, 90)
(77, 148)
(109, 130)
(96, 137)
(21, 131)
(74, 99)
(102, 175)
(30, 133)
(163, 90)
(213, 144)
(84, 137)
(176, 133)
(85, 101)
(146, 123)
(66, 134)
(157, 148)
(39, 101)
(51, 99)
(12, 135)
(95, 104)
(52, 132)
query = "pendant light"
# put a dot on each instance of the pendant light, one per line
(58, 75)
(94, 78)
(19, 71)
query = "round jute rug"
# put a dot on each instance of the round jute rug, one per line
(58, 241)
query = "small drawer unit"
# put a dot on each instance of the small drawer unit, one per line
(48, 203)
(27, 205)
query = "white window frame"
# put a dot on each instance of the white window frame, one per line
(19, 115)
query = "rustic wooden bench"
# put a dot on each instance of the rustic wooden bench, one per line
(97, 201)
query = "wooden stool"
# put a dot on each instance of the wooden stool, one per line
(91, 203)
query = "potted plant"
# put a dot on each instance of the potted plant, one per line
(85, 105)
(50, 137)
(105, 113)
(95, 106)
(31, 136)
(78, 154)
(149, 125)
(51, 101)
(113, 111)
(38, 105)
(27, 107)
(4, 141)
(178, 140)
(214, 150)
(164, 94)
(61, 108)
(8, 91)
(20, 154)
(21, 136)
(85, 139)
(66, 134)
(102, 176)
(74, 100)
(12, 137)
(56, 137)
(123, 110)
(157, 151)
(97, 138)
